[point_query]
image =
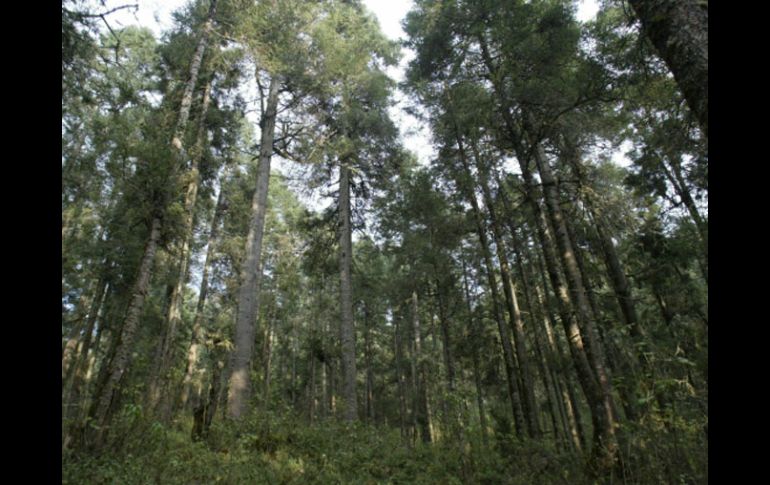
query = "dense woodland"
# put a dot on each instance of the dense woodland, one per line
(518, 309)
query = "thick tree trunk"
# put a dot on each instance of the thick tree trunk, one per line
(248, 295)
(679, 31)
(347, 328)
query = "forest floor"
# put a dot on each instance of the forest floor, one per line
(285, 450)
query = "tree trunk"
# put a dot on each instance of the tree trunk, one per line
(475, 332)
(195, 65)
(74, 396)
(421, 393)
(174, 316)
(588, 381)
(679, 31)
(117, 367)
(347, 328)
(248, 295)
(674, 175)
(505, 337)
(556, 351)
(368, 349)
(267, 355)
(397, 356)
(514, 312)
(191, 384)
(605, 446)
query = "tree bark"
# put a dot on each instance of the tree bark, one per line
(248, 295)
(347, 328)
(397, 356)
(679, 31)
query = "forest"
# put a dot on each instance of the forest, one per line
(517, 308)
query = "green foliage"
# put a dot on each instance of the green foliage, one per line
(269, 448)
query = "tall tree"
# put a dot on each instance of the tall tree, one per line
(679, 30)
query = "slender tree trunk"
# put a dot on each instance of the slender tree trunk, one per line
(679, 31)
(174, 316)
(267, 355)
(195, 66)
(368, 350)
(347, 328)
(293, 343)
(191, 384)
(422, 411)
(606, 447)
(397, 355)
(605, 442)
(556, 351)
(505, 337)
(674, 175)
(119, 364)
(617, 362)
(514, 312)
(475, 332)
(248, 295)
(74, 396)
(104, 400)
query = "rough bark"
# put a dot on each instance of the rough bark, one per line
(347, 328)
(679, 31)
(248, 294)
